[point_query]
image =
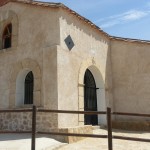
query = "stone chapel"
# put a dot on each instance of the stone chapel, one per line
(52, 57)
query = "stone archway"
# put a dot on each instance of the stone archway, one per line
(101, 102)
(20, 87)
(19, 69)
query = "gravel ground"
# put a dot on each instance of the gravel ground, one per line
(101, 144)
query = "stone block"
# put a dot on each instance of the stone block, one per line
(81, 123)
(81, 102)
(81, 117)
(87, 129)
(37, 72)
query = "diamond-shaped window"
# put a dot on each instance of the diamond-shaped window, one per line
(69, 42)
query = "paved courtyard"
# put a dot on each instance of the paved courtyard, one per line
(101, 144)
(23, 142)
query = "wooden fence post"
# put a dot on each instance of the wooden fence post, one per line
(109, 126)
(33, 128)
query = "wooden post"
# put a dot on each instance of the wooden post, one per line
(33, 128)
(109, 126)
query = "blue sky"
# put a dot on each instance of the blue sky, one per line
(123, 18)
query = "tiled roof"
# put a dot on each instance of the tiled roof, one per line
(60, 5)
(129, 39)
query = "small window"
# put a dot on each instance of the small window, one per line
(7, 34)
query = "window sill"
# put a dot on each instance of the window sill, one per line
(7, 49)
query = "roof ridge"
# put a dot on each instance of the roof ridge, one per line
(47, 2)
(129, 39)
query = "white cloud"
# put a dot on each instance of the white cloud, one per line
(134, 15)
(148, 4)
(123, 18)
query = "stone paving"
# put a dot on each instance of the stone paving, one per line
(101, 144)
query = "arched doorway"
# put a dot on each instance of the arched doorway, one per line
(100, 92)
(28, 88)
(90, 98)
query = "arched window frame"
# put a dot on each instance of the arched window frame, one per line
(7, 35)
(21, 98)
(8, 17)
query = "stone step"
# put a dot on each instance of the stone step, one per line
(95, 127)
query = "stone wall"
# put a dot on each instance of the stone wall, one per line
(45, 122)
(22, 121)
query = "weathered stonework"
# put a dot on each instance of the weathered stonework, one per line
(87, 129)
(23, 121)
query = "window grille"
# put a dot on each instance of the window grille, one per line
(29, 84)
(90, 98)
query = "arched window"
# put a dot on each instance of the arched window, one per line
(7, 35)
(28, 89)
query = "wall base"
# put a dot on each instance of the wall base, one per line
(132, 125)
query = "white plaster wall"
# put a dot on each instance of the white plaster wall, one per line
(131, 77)
(38, 31)
(41, 34)
(89, 44)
